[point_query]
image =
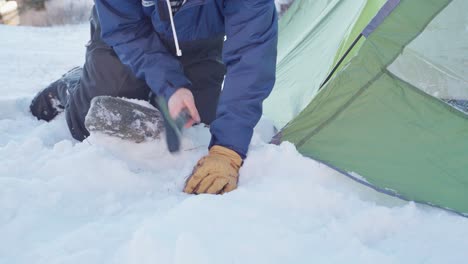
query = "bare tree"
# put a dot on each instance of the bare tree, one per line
(61, 12)
(32, 4)
(55, 12)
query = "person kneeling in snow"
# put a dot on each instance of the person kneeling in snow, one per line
(176, 49)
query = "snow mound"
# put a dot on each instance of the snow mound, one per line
(110, 201)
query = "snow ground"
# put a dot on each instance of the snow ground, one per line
(109, 201)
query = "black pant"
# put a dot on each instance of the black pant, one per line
(104, 74)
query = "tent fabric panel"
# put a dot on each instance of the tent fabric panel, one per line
(388, 7)
(400, 139)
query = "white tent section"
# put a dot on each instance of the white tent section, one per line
(328, 22)
(437, 60)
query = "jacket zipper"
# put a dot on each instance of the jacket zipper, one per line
(172, 16)
(190, 4)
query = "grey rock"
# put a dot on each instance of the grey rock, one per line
(125, 119)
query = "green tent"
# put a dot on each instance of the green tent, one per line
(378, 89)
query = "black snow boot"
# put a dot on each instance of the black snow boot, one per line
(51, 101)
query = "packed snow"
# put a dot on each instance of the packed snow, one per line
(110, 201)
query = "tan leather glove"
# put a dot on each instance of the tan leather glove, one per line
(216, 173)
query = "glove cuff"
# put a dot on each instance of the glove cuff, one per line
(228, 153)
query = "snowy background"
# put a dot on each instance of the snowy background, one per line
(109, 201)
(66, 12)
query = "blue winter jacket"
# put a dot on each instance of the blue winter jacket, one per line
(136, 30)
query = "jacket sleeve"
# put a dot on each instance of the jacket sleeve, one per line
(249, 53)
(130, 33)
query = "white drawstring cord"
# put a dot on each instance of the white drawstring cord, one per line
(176, 40)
